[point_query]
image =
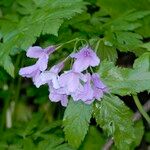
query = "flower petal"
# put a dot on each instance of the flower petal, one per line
(70, 81)
(97, 82)
(56, 97)
(57, 68)
(80, 65)
(42, 62)
(34, 52)
(49, 50)
(29, 71)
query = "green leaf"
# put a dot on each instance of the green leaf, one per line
(146, 46)
(107, 52)
(124, 41)
(45, 19)
(55, 25)
(51, 143)
(76, 122)
(94, 140)
(143, 63)
(116, 8)
(115, 119)
(120, 31)
(139, 130)
(124, 81)
(28, 144)
(6, 62)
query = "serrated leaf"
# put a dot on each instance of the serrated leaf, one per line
(143, 63)
(94, 140)
(116, 8)
(124, 81)
(107, 52)
(52, 26)
(51, 143)
(45, 19)
(76, 122)
(64, 147)
(116, 120)
(28, 144)
(146, 46)
(6, 62)
(137, 15)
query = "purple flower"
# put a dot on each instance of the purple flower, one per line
(38, 52)
(56, 96)
(29, 71)
(98, 87)
(48, 76)
(70, 80)
(84, 58)
(40, 65)
(86, 92)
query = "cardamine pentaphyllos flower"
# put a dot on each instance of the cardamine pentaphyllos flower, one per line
(40, 65)
(70, 80)
(75, 83)
(84, 58)
(98, 87)
(57, 95)
(49, 76)
(85, 92)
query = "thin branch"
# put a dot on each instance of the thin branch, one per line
(137, 116)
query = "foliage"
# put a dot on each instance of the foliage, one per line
(112, 28)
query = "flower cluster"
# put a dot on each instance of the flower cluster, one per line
(75, 82)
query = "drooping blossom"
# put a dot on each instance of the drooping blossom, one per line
(98, 87)
(57, 95)
(70, 80)
(40, 65)
(84, 58)
(50, 76)
(92, 89)
(74, 83)
(85, 93)
(38, 52)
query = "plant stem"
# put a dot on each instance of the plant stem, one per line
(141, 110)
(60, 45)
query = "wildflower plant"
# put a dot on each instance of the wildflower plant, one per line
(80, 86)
(74, 74)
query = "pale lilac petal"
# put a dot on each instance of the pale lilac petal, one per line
(34, 52)
(70, 80)
(84, 58)
(75, 55)
(94, 61)
(85, 93)
(37, 80)
(49, 50)
(29, 71)
(57, 68)
(55, 82)
(46, 77)
(63, 79)
(43, 62)
(98, 87)
(56, 97)
(64, 100)
(89, 101)
(80, 65)
(97, 82)
(98, 93)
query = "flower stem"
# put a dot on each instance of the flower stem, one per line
(140, 108)
(60, 45)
